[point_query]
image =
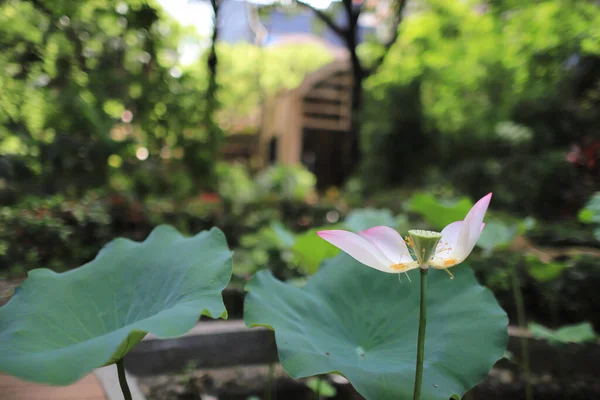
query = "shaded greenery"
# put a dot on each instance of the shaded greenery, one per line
(489, 98)
(104, 133)
(579, 333)
(590, 214)
(93, 95)
(56, 233)
(79, 74)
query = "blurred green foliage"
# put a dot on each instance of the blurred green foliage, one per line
(310, 250)
(93, 95)
(55, 233)
(89, 84)
(365, 218)
(288, 254)
(564, 232)
(63, 231)
(321, 387)
(235, 186)
(439, 213)
(544, 272)
(490, 97)
(496, 235)
(579, 333)
(290, 182)
(102, 134)
(500, 231)
(590, 214)
(248, 75)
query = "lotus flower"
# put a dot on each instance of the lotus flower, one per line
(384, 249)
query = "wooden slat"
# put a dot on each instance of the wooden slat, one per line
(327, 109)
(327, 124)
(345, 80)
(238, 148)
(330, 94)
(88, 388)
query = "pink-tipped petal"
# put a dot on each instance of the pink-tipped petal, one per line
(357, 247)
(450, 236)
(472, 227)
(389, 242)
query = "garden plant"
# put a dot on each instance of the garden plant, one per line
(367, 261)
(348, 319)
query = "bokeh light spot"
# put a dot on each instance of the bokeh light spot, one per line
(115, 161)
(142, 153)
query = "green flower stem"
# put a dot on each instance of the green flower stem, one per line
(270, 378)
(421, 340)
(521, 317)
(123, 380)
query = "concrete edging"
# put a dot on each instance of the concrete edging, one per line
(107, 376)
(210, 344)
(222, 344)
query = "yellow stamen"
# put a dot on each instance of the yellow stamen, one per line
(398, 267)
(450, 262)
(449, 273)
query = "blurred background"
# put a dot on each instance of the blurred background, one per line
(272, 119)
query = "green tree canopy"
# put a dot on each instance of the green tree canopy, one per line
(466, 82)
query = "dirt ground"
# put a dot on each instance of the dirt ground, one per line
(247, 383)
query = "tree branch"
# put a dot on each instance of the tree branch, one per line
(324, 18)
(352, 11)
(401, 5)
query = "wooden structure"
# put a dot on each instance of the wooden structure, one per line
(240, 147)
(311, 124)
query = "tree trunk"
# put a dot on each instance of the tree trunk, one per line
(214, 134)
(200, 158)
(352, 157)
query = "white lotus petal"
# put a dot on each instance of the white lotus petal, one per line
(449, 238)
(358, 248)
(471, 228)
(389, 242)
(446, 259)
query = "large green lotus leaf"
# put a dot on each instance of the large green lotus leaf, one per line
(363, 324)
(59, 327)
